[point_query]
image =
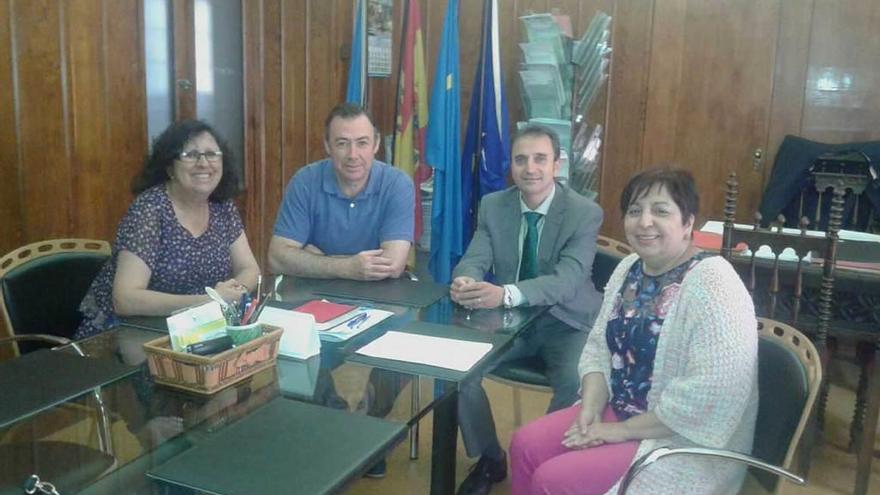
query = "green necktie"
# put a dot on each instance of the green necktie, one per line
(528, 267)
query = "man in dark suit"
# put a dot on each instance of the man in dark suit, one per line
(539, 240)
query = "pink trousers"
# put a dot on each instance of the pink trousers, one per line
(541, 465)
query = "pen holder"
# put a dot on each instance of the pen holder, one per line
(243, 333)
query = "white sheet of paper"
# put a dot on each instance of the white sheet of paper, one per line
(300, 339)
(460, 355)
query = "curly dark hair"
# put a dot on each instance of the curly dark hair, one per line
(168, 146)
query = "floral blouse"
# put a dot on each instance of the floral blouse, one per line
(179, 263)
(634, 329)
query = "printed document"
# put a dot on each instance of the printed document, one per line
(459, 355)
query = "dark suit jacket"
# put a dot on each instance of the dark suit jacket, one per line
(565, 253)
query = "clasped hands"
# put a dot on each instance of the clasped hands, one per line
(365, 265)
(588, 430)
(476, 295)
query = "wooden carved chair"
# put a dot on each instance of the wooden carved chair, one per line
(528, 372)
(772, 274)
(789, 376)
(825, 309)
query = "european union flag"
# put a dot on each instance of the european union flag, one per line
(444, 154)
(486, 157)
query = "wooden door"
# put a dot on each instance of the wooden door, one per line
(710, 90)
(691, 84)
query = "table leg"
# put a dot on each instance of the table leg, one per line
(865, 451)
(443, 445)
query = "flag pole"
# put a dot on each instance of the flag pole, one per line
(365, 54)
(475, 158)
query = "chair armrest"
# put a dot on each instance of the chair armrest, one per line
(661, 452)
(50, 339)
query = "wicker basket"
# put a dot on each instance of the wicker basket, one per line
(208, 374)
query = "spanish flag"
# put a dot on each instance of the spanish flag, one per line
(412, 107)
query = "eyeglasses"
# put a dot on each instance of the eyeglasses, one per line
(193, 156)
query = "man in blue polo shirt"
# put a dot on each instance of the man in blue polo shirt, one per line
(347, 216)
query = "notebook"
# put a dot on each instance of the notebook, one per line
(325, 311)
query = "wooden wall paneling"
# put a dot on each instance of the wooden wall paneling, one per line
(665, 84)
(627, 97)
(842, 101)
(323, 50)
(276, 22)
(126, 105)
(84, 26)
(720, 111)
(790, 75)
(296, 64)
(252, 98)
(44, 165)
(10, 199)
(107, 111)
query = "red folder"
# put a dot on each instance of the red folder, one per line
(711, 241)
(324, 311)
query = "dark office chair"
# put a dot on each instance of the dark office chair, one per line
(67, 466)
(43, 284)
(789, 375)
(529, 372)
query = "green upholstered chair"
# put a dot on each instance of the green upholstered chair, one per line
(789, 375)
(528, 372)
(43, 283)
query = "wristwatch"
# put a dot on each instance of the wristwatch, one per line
(508, 298)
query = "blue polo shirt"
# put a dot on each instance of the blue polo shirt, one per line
(314, 211)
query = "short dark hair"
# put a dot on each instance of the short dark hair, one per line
(167, 147)
(679, 183)
(347, 111)
(536, 130)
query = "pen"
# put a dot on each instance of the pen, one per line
(245, 299)
(357, 320)
(259, 286)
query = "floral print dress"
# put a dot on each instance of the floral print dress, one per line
(179, 262)
(633, 331)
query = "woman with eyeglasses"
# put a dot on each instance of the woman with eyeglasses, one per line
(181, 234)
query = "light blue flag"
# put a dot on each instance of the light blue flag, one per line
(444, 154)
(357, 68)
(486, 157)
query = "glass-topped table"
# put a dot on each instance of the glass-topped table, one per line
(151, 424)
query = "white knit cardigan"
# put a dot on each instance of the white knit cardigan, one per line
(704, 384)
